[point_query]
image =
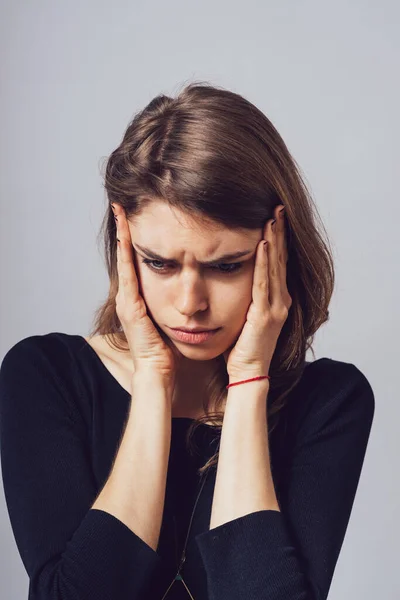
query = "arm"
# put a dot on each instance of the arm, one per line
(135, 490)
(69, 549)
(291, 553)
(244, 456)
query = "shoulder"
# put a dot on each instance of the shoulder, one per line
(337, 377)
(55, 343)
(332, 391)
(331, 372)
(54, 351)
(40, 370)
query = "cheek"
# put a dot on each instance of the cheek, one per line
(236, 303)
(147, 285)
(149, 290)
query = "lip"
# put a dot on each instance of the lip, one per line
(188, 330)
(192, 338)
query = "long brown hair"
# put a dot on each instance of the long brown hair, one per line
(213, 154)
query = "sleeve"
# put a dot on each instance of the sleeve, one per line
(291, 554)
(69, 550)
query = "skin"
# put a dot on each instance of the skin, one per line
(188, 294)
(244, 482)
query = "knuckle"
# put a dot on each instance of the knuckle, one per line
(274, 271)
(283, 313)
(287, 300)
(279, 313)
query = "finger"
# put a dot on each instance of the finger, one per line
(283, 257)
(281, 238)
(274, 271)
(128, 282)
(261, 283)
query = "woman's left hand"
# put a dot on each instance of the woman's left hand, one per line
(253, 351)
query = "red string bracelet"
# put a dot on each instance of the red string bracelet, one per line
(246, 380)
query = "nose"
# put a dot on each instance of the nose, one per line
(192, 297)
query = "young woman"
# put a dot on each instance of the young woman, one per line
(143, 462)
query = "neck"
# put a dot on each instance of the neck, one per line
(192, 379)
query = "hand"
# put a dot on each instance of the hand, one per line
(253, 351)
(149, 351)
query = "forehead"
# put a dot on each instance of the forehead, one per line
(160, 212)
(160, 223)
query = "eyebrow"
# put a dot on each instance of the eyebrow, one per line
(224, 257)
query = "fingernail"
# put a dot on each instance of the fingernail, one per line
(281, 212)
(265, 246)
(273, 225)
(118, 240)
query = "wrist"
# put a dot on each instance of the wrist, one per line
(236, 381)
(248, 398)
(153, 380)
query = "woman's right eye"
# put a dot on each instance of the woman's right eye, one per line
(150, 263)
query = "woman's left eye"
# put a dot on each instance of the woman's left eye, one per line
(232, 267)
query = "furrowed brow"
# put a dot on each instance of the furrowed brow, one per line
(223, 258)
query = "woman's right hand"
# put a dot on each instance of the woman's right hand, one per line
(149, 351)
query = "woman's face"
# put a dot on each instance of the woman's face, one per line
(181, 292)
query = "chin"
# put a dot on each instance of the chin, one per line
(198, 352)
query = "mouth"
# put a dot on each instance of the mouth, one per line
(190, 337)
(193, 330)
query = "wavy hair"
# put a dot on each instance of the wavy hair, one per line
(213, 154)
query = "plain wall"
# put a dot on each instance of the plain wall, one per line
(72, 76)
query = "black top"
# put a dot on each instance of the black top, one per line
(62, 414)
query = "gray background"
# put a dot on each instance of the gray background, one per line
(326, 74)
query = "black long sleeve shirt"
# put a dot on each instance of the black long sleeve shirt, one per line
(62, 414)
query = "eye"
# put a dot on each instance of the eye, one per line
(232, 267)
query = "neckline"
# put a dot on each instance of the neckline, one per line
(183, 420)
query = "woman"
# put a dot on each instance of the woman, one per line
(143, 462)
